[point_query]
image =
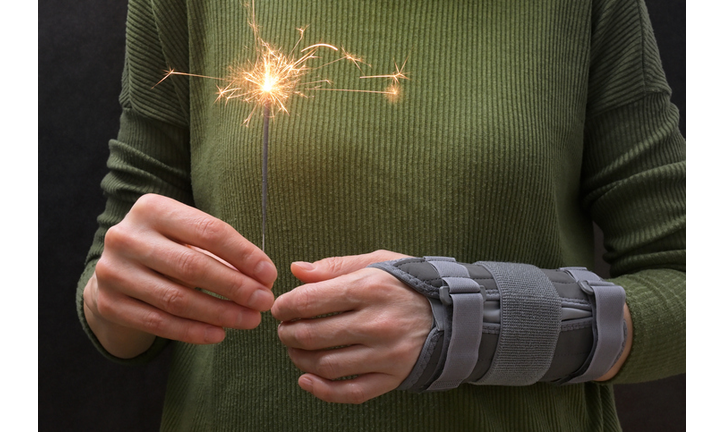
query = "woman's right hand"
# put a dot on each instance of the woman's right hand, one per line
(144, 283)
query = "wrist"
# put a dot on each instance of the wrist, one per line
(626, 350)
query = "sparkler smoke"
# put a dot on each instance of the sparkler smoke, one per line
(273, 77)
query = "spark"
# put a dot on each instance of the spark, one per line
(267, 83)
(396, 77)
(274, 76)
(393, 93)
(354, 59)
(320, 45)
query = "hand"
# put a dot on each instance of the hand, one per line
(143, 285)
(378, 329)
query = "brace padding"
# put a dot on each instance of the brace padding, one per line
(511, 324)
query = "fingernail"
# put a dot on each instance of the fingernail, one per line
(214, 334)
(261, 300)
(265, 272)
(304, 265)
(305, 383)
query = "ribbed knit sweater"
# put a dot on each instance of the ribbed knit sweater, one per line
(522, 123)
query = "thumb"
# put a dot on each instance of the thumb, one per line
(332, 267)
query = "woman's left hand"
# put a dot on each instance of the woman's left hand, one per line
(375, 333)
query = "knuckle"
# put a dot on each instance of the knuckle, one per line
(209, 229)
(252, 319)
(192, 334)
(239, 290)
(370, 286)
(238, 317)
(116, 238)
(153, 322)
(326, 394)
(338, 265)
(356, 394)
(104, 305)
(334, 265)
(110, 276)
(189, 266)
(303, 335)
(173, 301)
(327, 367)
(382, 255)
(382, 325)
(104, 270)
(147, 202)
(305, 300)
(245, 254)
(379, 255)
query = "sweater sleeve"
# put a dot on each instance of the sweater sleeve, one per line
(151, 151)
(634, 185)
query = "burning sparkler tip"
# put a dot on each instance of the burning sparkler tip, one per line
(274, 75)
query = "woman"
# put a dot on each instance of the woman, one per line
(519, 125)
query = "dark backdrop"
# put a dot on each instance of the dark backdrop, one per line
(80, 62)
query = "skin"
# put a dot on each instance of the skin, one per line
(381, 322)
(143, 287)
(143, 283)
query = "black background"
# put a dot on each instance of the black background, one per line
(81, 48)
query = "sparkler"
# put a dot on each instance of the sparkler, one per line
(273, 77)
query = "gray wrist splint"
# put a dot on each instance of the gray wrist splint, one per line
(512, 324)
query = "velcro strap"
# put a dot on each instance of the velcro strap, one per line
(530, 323)
(467, 301)
(608, 304)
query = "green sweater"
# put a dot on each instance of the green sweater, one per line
(522, 123)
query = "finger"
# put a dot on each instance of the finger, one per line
(322, 333)
(345, 293)
(346, 361)
(138, 315)
(188, 225)
(352, 391)
(196, 269)
(313, 300)
(332, 267)
(197, 249)
(184, 302)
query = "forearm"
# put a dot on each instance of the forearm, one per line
(657, 302)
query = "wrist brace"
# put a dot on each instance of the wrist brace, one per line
(512, 324)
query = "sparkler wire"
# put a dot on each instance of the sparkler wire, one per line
(264, 174)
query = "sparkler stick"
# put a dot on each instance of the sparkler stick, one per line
(264, 175)
(273, 77)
